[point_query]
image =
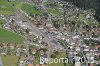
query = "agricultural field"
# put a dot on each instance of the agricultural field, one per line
(7, 36)
(12, 60)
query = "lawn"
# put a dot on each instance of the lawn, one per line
(6, 8)
(9, 60)
(8, 36)
(30, 9)
(60, 55)
(2, 21)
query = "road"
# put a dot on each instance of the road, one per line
(35, 29)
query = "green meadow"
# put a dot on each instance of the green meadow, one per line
(28, 8)
(9, 60)
(6, 8)
(8, 36)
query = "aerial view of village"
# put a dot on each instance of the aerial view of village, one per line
(49, 32)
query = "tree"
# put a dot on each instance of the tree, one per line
(53, 56)
(84, 4)
(97, 10)
(88, 4)
(27, 31)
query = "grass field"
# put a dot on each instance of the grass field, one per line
(8, 36)
(60, 55)
(30, 9)
(6, 7)
(9, 60)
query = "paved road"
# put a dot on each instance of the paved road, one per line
(35, 30)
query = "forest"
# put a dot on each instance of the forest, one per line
(88, 4)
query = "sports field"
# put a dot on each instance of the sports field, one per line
(7, 36)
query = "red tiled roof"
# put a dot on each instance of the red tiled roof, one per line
(43, 64)
(30, 64)
(91, 64)
(98, 46)
(4, 45)
(37, 64)
(12, 45)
